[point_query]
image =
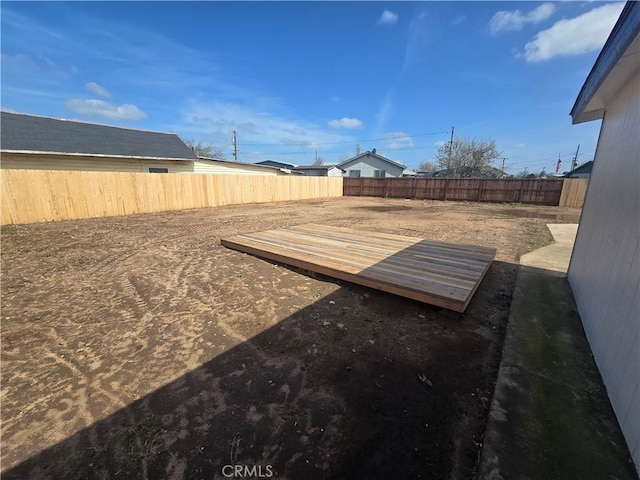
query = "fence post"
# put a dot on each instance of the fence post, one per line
(446, 185)
(361, 181)
(480, 188)
(521, 188)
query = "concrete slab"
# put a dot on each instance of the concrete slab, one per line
(550, 416)
(555, 257)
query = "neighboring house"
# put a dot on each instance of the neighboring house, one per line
(329, 170)
(604, 272)
(229, 167)
(583, 171)
(465, 172)
(430, 174)
(45, 143)
(274, 163)
(370, 164)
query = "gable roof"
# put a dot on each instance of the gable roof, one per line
(31, 133)
(584, 168)
(349, 160)
(327, 166)
(275, 163)
(618, 61)
(251, 165)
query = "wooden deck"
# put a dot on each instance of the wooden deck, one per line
(442, 274)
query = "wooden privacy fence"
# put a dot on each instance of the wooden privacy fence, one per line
(573, 192)
(30, 196)
(520, 190)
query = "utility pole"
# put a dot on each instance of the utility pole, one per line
(451, 143)
(503, 160)
(235, 146)
(451, 151)
(574, 163)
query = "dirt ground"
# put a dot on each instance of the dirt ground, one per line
(138, 347)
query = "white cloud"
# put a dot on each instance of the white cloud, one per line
(38, 66)
(295, 131)
(388, 18)
(417, 39)
(584, 33)
(262, 133)
(100, 108)
(345, 122)
(385, 111)
(520, 145)
(398, 140)
(98, 89)
(507, 20)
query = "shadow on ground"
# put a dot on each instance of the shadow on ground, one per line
(550, 415)
(311, 399)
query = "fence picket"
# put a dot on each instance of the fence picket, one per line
(30, 196)
(539, 191)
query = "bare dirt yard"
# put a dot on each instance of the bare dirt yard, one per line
(138, 347)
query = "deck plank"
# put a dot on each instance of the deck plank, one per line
(438, 273)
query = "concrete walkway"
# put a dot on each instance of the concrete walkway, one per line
(555, 257)
(550, 415)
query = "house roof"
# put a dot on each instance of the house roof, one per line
(315, 167)
(584, 168)
(234, 162)
(618, 61)
(275, 163)
(37, 134)
(349, 160)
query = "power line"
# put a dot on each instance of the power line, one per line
(339, 143)
(342, 151)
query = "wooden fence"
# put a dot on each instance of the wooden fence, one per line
(30, 196)
(573, 192)
(519, 190)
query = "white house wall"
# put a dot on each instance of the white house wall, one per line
(605, 267)
(368, 164)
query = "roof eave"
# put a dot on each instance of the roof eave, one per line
(97, 155)
(623, 34)
(339, 165)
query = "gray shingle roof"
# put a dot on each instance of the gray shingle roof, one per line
(21, 132)
(373, 154)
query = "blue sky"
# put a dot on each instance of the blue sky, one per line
(291, 78)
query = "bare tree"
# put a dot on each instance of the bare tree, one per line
(318, 161)
(358, 149)
(427, 167)
(204, 149)
(467, 158)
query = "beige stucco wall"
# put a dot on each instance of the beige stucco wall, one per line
(89, 163)
(605, 267)
(33, 161)
(230, 168)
